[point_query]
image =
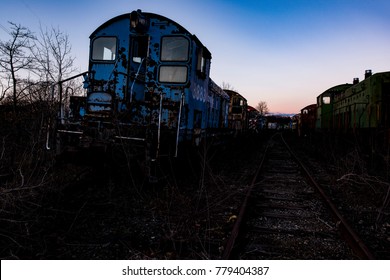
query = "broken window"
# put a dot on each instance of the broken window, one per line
(201, 66)
(104, 48)
(140, 47)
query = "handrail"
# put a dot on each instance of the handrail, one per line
(60, 103)
(178, 124)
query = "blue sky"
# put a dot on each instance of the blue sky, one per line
(283, 52)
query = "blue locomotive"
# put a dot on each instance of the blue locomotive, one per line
(148, 87)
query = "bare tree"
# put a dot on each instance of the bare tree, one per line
(15, 56)
(262, 107)
(4, 88)
(227, 86)
(53, 55)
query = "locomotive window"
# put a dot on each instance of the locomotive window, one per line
(237, 101)
(173, 74)
(174, 49)
(201, 65)
(104, 48)
(140, 48)
(326, 99)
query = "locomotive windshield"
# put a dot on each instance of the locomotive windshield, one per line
(174, 49)
(173, 74)
(104, 48)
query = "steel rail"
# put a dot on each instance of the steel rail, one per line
(236, 228)
(354, 241)
(346, 230)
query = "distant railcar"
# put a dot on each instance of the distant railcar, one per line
(365, 105)
(238, 120)
(148, 86)
(325, 109)
(255, 120)
(308, 119)
(361, 109)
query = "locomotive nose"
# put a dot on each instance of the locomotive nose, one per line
(139, 22)
(99, 103)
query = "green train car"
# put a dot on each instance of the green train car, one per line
(360, 110)
(364, 106)
(325, 107)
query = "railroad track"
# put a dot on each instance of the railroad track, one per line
(286, 215)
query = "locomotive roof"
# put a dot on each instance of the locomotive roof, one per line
(336, 89)
(217, 90)
(156, 16)
(234, 93)
(310, 106)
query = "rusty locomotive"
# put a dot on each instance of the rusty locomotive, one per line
(360, 109)
(148, 88)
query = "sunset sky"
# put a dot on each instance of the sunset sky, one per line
(282, 52)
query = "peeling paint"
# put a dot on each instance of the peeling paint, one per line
(127, 91)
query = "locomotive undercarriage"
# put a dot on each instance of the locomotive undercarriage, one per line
(96, 146)
(91, 138)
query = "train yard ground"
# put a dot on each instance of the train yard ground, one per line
(108, 211)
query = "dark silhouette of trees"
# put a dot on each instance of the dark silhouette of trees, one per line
(30, 65)
(228, 86)
(52, 53)
(15, 57)
(262, 107)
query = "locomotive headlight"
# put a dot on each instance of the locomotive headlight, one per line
(139, 22)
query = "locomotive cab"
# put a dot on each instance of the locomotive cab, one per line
(148, 87)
